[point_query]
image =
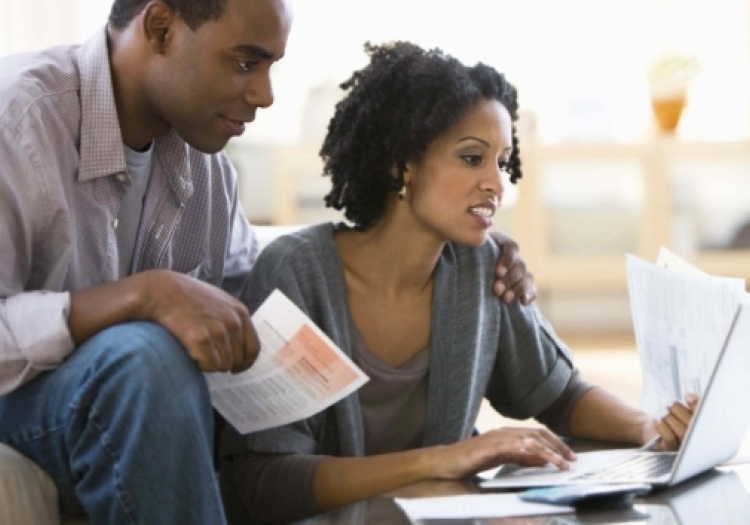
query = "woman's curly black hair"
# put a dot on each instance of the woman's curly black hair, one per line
(397, 105)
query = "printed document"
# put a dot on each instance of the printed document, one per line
(681, 317)
(299, 372)
(475, 506)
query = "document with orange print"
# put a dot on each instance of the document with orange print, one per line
(299, 372)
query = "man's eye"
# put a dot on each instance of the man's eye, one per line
(474, 160)
(245, 65)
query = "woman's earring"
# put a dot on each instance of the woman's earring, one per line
(402, 192)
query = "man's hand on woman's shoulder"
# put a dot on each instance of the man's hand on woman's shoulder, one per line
(513, 280)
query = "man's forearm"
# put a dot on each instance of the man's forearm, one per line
(94, 309)
(39, 329)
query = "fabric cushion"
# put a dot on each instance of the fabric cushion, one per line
(27, 494)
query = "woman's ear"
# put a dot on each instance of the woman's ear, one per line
(409, 171)
(394, 172)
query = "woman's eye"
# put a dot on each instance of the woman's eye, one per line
(503, 165)
(474, 160)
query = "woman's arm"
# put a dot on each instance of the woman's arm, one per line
(342, 481)
(263, 483)
(267, 483)
(531, 366)
(600, 415)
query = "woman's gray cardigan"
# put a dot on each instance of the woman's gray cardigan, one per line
(479, 346)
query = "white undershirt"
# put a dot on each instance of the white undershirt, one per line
(138, 164)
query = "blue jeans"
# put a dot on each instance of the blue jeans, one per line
(124, 426)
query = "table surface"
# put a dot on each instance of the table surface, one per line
(719, 496)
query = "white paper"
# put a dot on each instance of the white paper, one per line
(475, 506)
(671, 261)
(681, 318)
(299, 372)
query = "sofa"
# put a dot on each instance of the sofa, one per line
(28, 496)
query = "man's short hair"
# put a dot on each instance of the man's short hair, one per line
(194, 12)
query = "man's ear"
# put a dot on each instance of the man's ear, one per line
(157, 25)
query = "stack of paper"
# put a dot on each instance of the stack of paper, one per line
(475, 506)
(681, 317)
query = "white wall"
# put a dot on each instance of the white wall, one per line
(579, 64)
(34, 24)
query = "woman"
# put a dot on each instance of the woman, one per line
(416, 153)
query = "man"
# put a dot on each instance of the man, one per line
(123, 241)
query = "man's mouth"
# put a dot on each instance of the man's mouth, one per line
(236, 127)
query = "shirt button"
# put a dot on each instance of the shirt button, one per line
(122, 176)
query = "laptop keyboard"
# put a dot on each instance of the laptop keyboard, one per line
(640, 466)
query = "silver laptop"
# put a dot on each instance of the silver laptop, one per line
(715, 433)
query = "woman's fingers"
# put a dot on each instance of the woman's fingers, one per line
(537, 450)
(673, 427)
(534, 448)
(681, 413)
(555, 443)
(678, 419)
(669, 438)
(692, 401)
(528, 447)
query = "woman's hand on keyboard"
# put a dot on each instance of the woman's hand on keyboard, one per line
(525, 446)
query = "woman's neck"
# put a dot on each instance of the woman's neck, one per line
(391, 258)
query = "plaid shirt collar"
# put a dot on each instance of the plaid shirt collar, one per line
(101, 140)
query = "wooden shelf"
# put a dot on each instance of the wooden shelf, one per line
(656, 160)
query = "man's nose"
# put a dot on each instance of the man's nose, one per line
(259, 92)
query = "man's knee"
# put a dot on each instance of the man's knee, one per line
(146, 359)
